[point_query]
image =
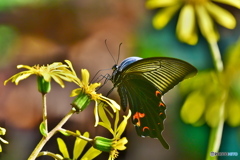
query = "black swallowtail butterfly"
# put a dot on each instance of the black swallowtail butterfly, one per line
(141, 83)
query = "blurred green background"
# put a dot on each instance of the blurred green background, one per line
(41, 32)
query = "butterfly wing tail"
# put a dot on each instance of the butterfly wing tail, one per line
(164, 143)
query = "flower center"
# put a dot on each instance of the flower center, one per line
(195, 2)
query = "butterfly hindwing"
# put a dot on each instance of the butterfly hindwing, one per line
(148, 109)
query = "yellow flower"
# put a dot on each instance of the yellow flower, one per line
(211, 90)
(117, 143)
(79, 146)
(192, 13)
(87, 92)
(56, 71)
(2, 132)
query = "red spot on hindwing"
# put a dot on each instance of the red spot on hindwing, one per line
(144, 128)
(161, 104)
(158, 93)
(138, 116)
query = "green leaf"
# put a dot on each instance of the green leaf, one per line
(63, 148)
(43, 129)
(193, 108)
(65, 132)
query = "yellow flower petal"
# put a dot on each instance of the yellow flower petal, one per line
(123, 125)
(120, 145)
(75, 92)
(163, 16)
(96, 114)
(94, 86)
(206, 24)
(4, 141)
(79, 145)
(63, 148)
(58, 80)
(222, 16)
(65, 76)
(46, 76)
(186, 25)
(24, 66)
(91, 154)
(22, 77)
(105, 121)
(234, 3)
(71, 67)
(111, 103)
(85, 77)
(151, 4)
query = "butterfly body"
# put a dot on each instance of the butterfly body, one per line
(141, 83)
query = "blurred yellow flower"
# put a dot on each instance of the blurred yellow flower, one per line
(56, 71)
(193, 13)
(211, 90)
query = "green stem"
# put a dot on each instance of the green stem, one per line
(46, 153)
(216, 55)
(75, 135)
(44, 102)
(44, 140)
(216, 132)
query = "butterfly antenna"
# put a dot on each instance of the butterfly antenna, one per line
(109, 51)
(119, 52)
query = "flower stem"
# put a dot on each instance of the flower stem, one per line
(44, 140)
(216, 55)
(75, 135)
(216, 132)
(44, 102)
(46, 153)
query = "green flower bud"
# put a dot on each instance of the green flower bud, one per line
(81, 101)
(43, 86)
(103, 144)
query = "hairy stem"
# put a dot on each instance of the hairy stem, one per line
(75, 135)
(46, 153)
(44, 140)
(44, 102)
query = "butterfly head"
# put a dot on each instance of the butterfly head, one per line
(117, 69)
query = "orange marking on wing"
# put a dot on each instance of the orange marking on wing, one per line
(137, 116)
(157, 93)
(160, 113)
(161, 104)
(145, 128)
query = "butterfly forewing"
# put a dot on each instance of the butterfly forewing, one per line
(163, 72)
